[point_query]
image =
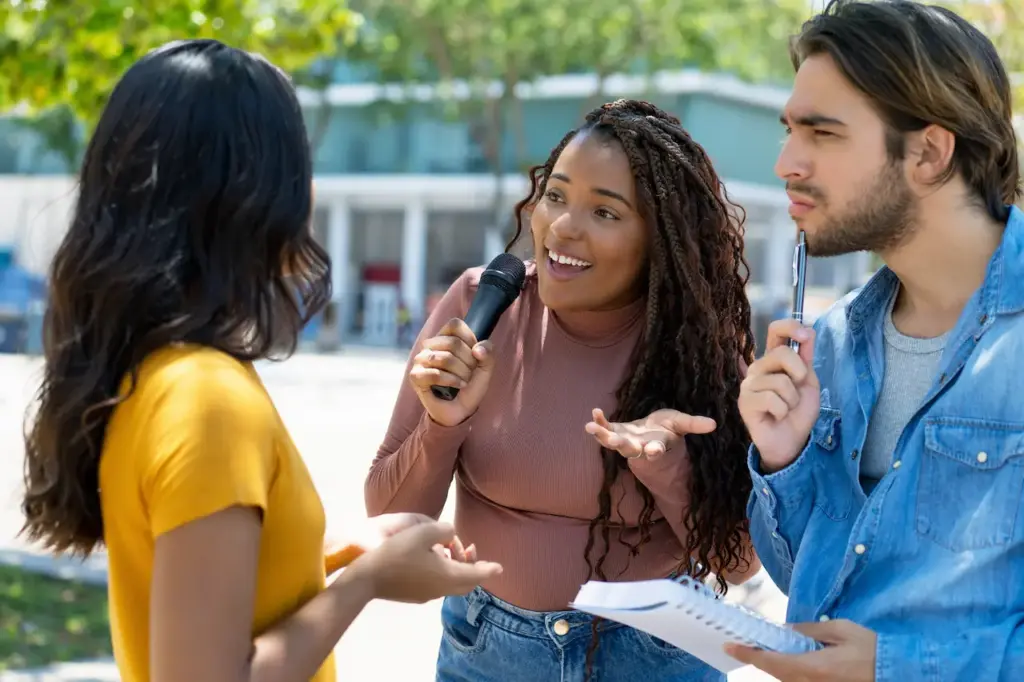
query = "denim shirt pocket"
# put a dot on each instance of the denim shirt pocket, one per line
(972, 478)
(832, 496)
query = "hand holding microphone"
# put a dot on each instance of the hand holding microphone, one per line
(452, 370)
(452, 359)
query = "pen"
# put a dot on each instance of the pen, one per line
(799, 282)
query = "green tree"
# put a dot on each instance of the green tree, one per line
(482, 52)
(60, 58)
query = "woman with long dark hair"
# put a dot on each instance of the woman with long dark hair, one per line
(634, 307)
(189, 256)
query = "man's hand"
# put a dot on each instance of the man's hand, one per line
(849, 655)
(779, 399)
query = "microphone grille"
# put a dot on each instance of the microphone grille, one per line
(510, 266)
(507, 272)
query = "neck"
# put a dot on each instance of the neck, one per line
(600, 325)
(942, 264)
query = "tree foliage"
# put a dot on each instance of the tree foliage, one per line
(59, 59)
(70, 53)
(482, 52)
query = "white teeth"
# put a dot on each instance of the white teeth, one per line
(568, 260)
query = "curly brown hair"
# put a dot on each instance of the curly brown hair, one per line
(697, 329)
(192, 225)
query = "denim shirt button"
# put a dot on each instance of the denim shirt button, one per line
(860, 549)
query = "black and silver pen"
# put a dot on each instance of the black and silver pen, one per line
(799, 282)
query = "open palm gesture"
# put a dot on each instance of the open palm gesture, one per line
(651, 436)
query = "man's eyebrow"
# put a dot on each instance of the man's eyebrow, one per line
(810, 121)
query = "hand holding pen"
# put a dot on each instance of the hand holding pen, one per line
(779, 398)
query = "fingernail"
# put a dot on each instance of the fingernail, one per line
(803, 334)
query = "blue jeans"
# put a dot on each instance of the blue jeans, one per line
(488, 640)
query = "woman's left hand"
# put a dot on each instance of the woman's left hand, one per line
(650, 437)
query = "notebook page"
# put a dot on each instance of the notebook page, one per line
(689, 616)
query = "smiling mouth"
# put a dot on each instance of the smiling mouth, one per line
(563, 260)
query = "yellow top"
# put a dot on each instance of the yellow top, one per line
(200, 434)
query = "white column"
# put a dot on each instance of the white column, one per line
(493, 244)
(339, 239)
(414, 259)
(781, 241)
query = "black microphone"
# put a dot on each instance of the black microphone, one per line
(500, 285)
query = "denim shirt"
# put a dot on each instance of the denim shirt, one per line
(933, 559)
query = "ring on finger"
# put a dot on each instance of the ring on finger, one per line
(659, 442)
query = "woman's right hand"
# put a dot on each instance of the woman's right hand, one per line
(408, 566)
(452, 358)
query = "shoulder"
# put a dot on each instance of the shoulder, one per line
(198, 414)
(199, 383)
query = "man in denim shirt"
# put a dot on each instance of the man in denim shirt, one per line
(888, 456)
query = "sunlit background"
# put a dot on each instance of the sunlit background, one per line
(424, 115)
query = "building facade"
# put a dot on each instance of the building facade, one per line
(405, 197)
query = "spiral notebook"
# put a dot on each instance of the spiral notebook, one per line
(691, 616)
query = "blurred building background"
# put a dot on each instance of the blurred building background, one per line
(406, 201)
(416, 182)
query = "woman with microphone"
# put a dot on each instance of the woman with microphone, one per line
(596, 433)
(190, 256)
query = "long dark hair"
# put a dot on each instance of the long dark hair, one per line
(192, 225)
(697, 330)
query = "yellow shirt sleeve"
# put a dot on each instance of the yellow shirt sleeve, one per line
(211, 446)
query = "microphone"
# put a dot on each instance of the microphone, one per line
(500, 285)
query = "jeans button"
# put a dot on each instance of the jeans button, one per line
(561, 627)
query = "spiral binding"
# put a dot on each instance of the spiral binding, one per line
(798, 642)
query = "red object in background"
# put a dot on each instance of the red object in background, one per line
(382, 273)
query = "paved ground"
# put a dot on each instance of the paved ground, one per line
(337, 409)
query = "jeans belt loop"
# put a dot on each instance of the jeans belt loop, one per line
(477, 600)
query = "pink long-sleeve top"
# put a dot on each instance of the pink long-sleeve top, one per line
(527, 474)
